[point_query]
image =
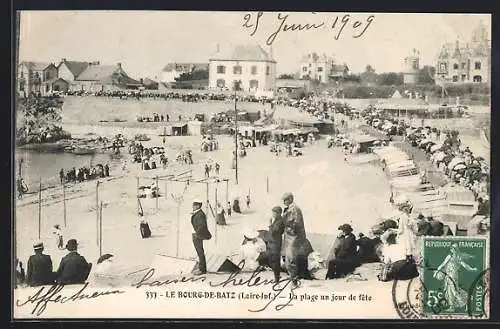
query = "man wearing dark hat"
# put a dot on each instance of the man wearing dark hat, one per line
(39, 267)
(346, 257)
(276, 230)
(73, 268)
(294, 230)
(200, 233)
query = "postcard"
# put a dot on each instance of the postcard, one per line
(252, 165)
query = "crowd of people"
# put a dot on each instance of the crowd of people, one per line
(83, 173)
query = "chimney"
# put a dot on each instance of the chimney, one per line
(119, 65)
(271, 52)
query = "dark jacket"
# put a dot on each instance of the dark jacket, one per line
(346, 248)
(276, 230)
(367, 252)
(39, 270)
(73, 269)
(199, 222)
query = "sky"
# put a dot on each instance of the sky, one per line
(145, 41)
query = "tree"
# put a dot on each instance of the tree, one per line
(426, 75)
(355, 78)
(369, 69)
(194, 75)
(390, 79)
(369, 76)
(286, 76)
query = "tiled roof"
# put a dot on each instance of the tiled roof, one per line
(76, 68)
(185, 67)
(35, 66)
(106, 74)
(242, 53)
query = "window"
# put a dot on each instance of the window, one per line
(221, 69)
(464, 77)
(237, 85)
(320, 69)
(268, 70)
(477, 65)
(309, 64)
(254, 70)
(319, 78)
(455, 78)
(304, 69)
(455, 66)
(477, 78)
(237, 69)
(221, 83)
(254, 84)
(464, 65)
(442, 67)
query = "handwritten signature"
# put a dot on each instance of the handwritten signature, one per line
(358, 27)
(234, 279)
(53, 294)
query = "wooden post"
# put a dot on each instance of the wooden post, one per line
(40, 209)
(267, 184)
(100, 230)
(227, 191)
(157, 191)
(97, 211)
(178, 227)
(64, 203)
(166, 194)
(206, 205)
(137, 195)
(216, 211)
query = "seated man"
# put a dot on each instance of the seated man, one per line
(368, 249)
(39, 268)
(73, 268)
(345, 255)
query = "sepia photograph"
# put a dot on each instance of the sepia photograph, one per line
(251, 165)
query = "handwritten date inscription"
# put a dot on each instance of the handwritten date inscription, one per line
(340, 25)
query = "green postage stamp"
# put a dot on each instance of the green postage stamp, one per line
(454, 276)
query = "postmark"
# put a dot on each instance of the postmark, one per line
(453, 281)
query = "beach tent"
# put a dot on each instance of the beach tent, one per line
(180, 129)
(397, 95)
(407, 182)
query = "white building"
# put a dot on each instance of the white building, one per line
(321, 68)
(250, 65)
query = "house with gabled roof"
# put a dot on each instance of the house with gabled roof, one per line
(97, 78)
(250, 65)
(70, 70)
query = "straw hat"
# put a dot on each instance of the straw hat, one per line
(38, 245)
(250, 234)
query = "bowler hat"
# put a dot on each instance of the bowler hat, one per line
(346, 228)
(71, 245)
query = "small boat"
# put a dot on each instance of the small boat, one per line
(83, 150)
